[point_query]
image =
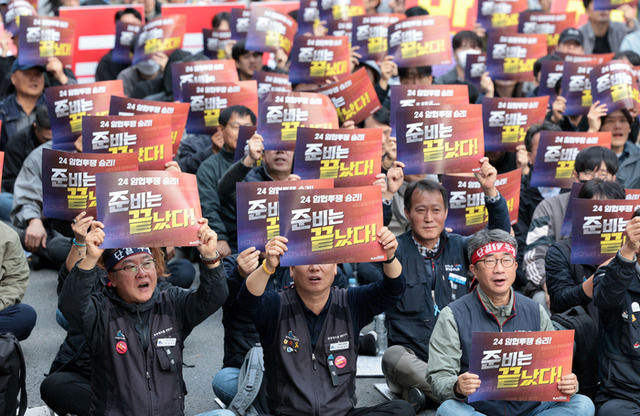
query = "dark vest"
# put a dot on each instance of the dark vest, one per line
(147, 382)
(471, 315)
(411, 321)
(299, 381)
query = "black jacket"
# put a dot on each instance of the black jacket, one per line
(17, 150)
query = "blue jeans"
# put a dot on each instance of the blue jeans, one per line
(579, 405)
(18, 319)
(225, 384)
(219, 412)
(6, 203)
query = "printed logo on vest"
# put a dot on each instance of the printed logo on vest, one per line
(340, 361)
(291, 342)
(453, 267)
(120, 336)
(121, 347)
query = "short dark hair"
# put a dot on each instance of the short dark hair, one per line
(128, 10)
(240, 110)
(633, 57)
(537, 66)
(383, 115)
(416, 11)
(219, 18)
(42, 118)
(423, 71)
(592, 157)
(537, 128)
(239, 50)
(425, 185)
(586, 3)
(466, 36)
(599, 188)
(625, 113)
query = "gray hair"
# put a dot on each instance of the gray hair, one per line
(486, 236)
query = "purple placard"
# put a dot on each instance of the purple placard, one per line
(239, 24)
(244, 134)
(476, 65)
(330, 10)
(214, 42)
(420, 40)
(511, 56)
(308, 16)
(162, 34)
(371, 34)
(331, 225)
(550, 73)
(44, 37)
(612, 4)
(598, 228)
(576, 87)
(351, 156)
(440, 139)
(125, 32)
(271, 81)
(282, 113)
(613, 84)
(499, 14)
(316, 59)
(565, 230)
(506, 120)
(270, 30)
(12, 14)
(257, 209)
(201, 72)
(557, 151)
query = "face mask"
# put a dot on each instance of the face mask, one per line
(461, 57)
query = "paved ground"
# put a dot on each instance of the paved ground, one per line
(202, 349)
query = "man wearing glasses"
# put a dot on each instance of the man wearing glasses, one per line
(492, 307)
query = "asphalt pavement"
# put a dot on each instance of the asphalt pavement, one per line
(203, 350)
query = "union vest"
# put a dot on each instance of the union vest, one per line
(471, 315)
(145, 382)
(411, 321)
(299, 379)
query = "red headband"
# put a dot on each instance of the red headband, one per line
(492, 248)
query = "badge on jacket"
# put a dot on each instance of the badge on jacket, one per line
(291, 342)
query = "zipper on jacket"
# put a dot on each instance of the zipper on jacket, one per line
(313, 360)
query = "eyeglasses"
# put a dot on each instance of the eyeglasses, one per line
(236, 125)
(491, 263)
(132, 270)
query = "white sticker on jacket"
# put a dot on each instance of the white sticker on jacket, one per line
(166, 342)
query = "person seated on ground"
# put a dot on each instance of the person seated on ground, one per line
(569, 284)
(546, 223)
(67, 387)
(15, 317)
(489, 308)
(619, 123)
(18, 148)
(615, 293)
(464, 43)
(571, 42)
(108, 69)
(321, 322)
(601, 35)
(427, 252)
(139, 371)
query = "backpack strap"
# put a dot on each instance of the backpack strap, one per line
(23, 377)
(249, 383)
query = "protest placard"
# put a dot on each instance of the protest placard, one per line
(282, 113)
(410, 97)
(315, 59)
(240, 24)
(69, 181)
(148, 136)
(215, 42)
(208, 100)
(632, 194)
(354, 97)
(148, 209)
(576, 87)
(557, 151)
(1, 164)
(44, 37)
(476, 65)
(162, 34)
(371, 34)
(565, 230)
(270, 30)
(506, 120)
(331, 225)
(67, 104)
(467, 211)
(499, 14)
(351, 157)
(613, 84)
(440, 139)
(125, 32)
(550, 74)
(16, 10)
(523, 366)
(201, 72)
(419, 41)
(550, 24)
(596, 58)
(124, 106)
(611, 4)
(308, 16)
(598, 228)
(511, 57)
(330, 10)
(244, 134)
(340, 28)
(462, 13)
(271, 81)
(257, 209)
